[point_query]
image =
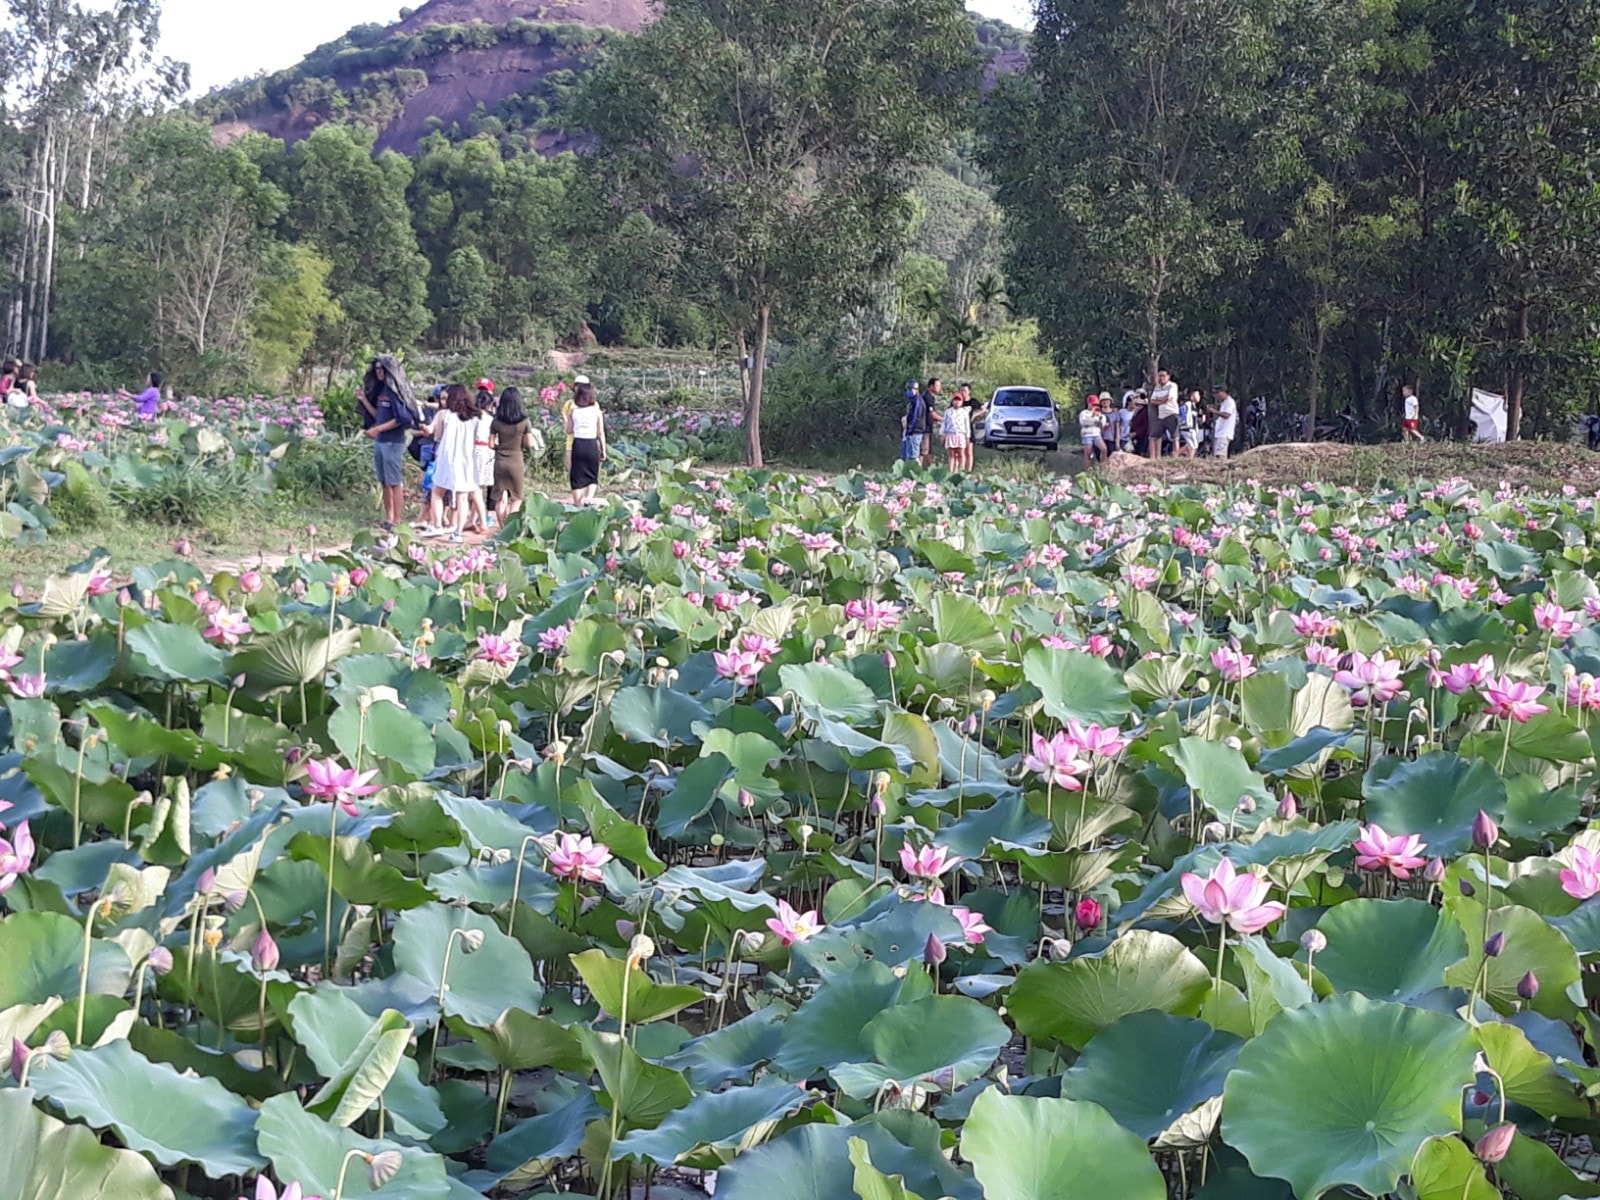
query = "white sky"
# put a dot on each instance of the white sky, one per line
(224, 40)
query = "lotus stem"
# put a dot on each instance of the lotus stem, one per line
(83, 970)
(516, 883)
(327, 910)
(338, 1187)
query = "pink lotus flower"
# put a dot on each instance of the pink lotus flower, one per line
(265, 1191)
(327, 780)
(1463, 677)
(764, 648)
(872, 615)
(1374, 680)
(1320, 654)
(1583, 692)
(1399, 855)
(929, 862)
(264, 953)
(1057, 760)
(1087, 914)
(1096, 739)
(359, 576)
(227, 627)
(497, 650)
(554, 640)
(1315, 625)
(1235, 898)
(1581, 880)
(578, 858)
(8, 659)
(791, 926)
(1556, 621)
(27, 687)
(740, 666)
(972, 925)
(1513, 699)
(16, 855)
(1233, 665)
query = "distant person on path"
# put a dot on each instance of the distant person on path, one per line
(957, 431)
(149, 400)
(586, 427)
(389, 412)
(1164, 418)
(1225, 411)
(973, 413)
(455, 469)
(1411, 415)
(513, 437)
(911, 422)
(932, 394)
(1090, 425)
(1189, 426)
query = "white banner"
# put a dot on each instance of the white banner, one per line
(1488, 416)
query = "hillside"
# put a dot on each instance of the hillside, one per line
(506, 67)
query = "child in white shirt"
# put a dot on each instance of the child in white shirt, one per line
(956, 430)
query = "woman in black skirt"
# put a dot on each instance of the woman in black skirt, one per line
(586, 437)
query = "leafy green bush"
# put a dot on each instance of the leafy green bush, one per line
(82, 504)
(326, 469)
(210, 495)
(814, 398)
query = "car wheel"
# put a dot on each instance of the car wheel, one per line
(1052, 447)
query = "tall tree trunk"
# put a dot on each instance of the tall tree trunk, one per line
(1518, 380)
(754, 385)
(1314, 384)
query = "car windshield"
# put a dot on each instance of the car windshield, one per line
(1022, 398)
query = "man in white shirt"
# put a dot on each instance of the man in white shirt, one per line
(1224, 410)
(1163, 413)
(1411, 416)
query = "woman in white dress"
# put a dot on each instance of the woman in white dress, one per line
(455, 470)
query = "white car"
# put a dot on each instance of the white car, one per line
(1021, 416)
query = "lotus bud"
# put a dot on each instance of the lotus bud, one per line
(382, 1167)
(1528, 986)
(1493, 1146)
(1060, 949)
(889, 659)
(160, 960)
(1288, 809)
(1088, 914)
(1232, 743)
(1313, 941)
(877, 807)
(1481, 1098)
(264, 954)
(1434, 871)
(1246, 805)
(1467, 889)
(1485, 832)
(746, 800)
(933, 952)
(1495, 944)
(471, 940)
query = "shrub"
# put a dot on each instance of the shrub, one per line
(326, 469)
(814, 399)
(209, 495)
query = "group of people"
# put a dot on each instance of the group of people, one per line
(922, 422)
(471, 445)
(19, 386)
(1161, 420)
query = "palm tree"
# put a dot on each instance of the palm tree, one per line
(986, 293)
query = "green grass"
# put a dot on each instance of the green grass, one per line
(129, 544)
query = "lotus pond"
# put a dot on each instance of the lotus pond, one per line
(797, 840)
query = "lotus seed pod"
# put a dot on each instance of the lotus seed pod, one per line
(1314, 941)
(1233, 743)
(1060, 949)
(1247, 805)
(472, 940)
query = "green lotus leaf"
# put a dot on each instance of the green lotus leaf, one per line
(1077, 686)
(545, 1138)
(1386, 1078)
(657, 716)
(1388, 949)
(1030, 1148)
(1530, 1077)
(946, 1040)
(641, 1093)
(1436, 796)
(824, 690)
(897, 935)
(1446, 1169)
(153, 1109)
(310, 1151)
(1535, 1172)
(1220, 776)
(482, 984)
(48, 1160)
(358, 875)
(1531, 945)
(356, 1084)
(43, 956)
(519, 1041)
(1150, 1068)
(1140, 971)
(175, 652)
(813, 1163)
(827, 1029)
(732, 1052)
(388, 735)
(724, 1123)
(871, 1183)
(627, 992)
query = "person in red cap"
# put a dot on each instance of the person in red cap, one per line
(1091, 423)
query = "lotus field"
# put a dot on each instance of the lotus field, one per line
(797, 840)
